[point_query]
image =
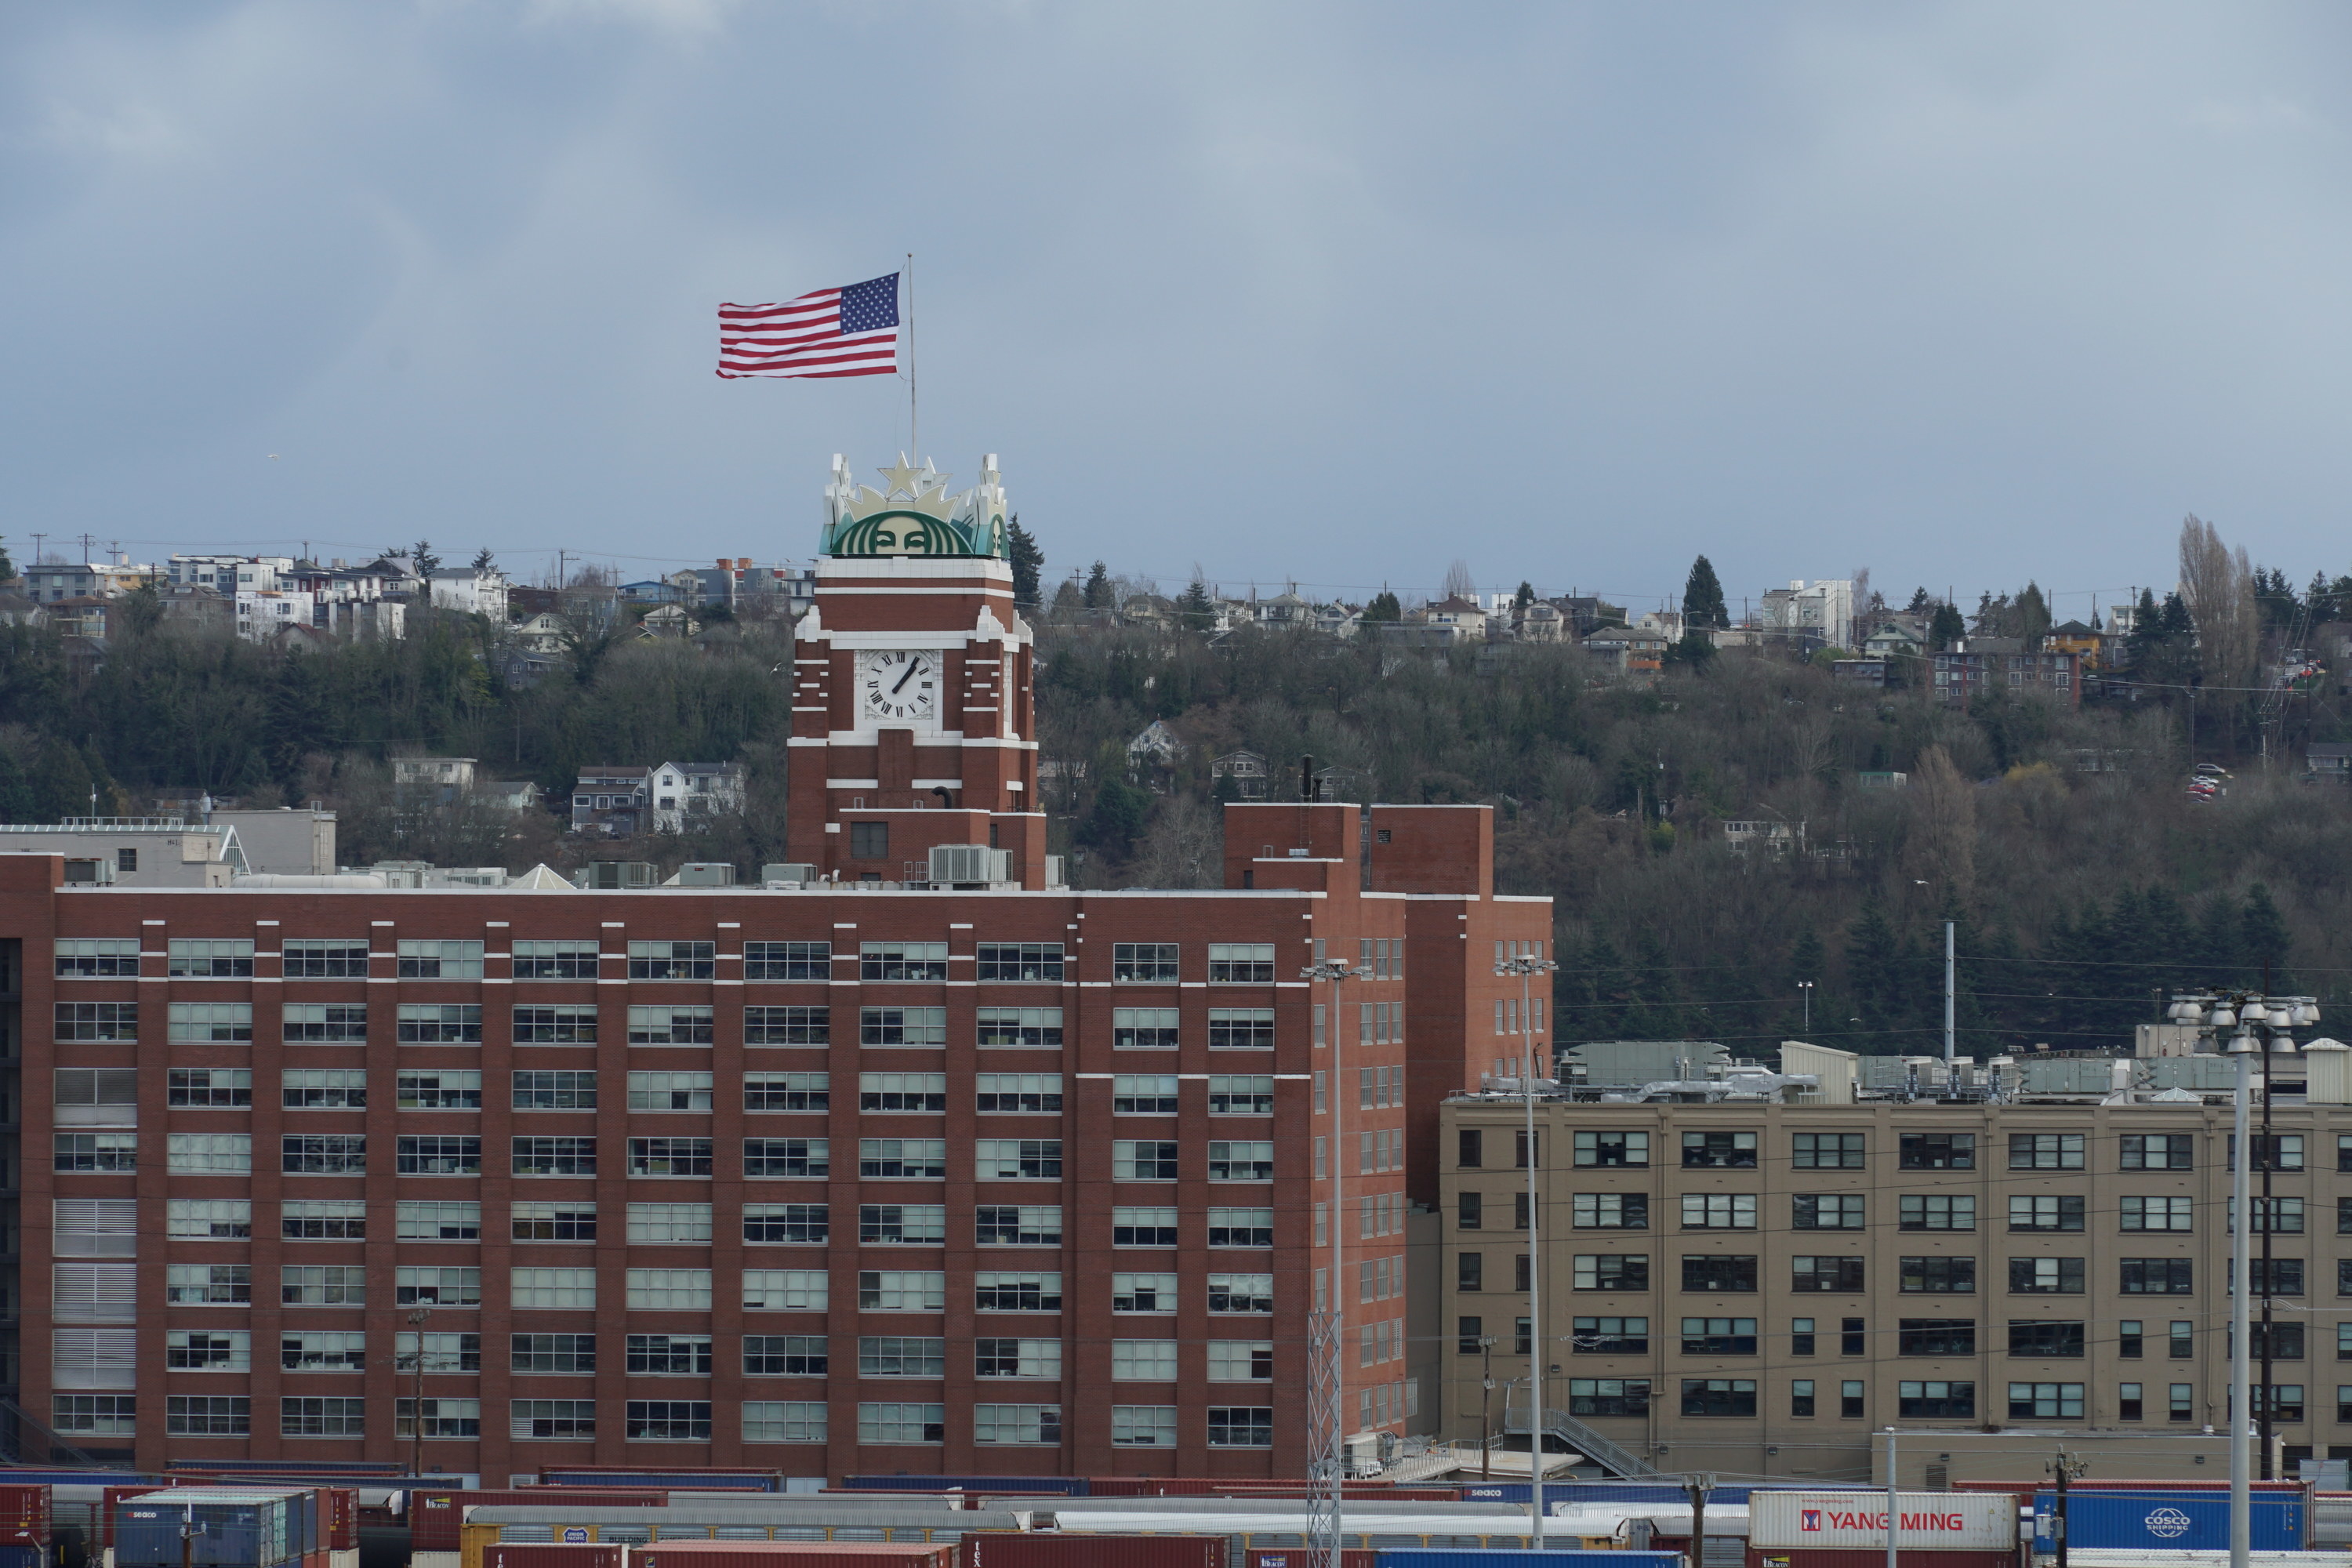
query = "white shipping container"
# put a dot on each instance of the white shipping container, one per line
(1949, 1521)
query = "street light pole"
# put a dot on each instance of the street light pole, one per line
(1539, 1349)
(1329, 1457)
(1807, 987)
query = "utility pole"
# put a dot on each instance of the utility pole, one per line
(1893, 1516)
(1951, 994)
(2065, 1469)
(1698, 1483)
(1539, 1348)
(417, 1320)
(1486, 1406)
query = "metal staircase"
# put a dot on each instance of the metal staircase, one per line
(1615, 1458)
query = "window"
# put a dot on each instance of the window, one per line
(668, 1355)
(419, 1287)
(784, 1356)
(901, 1092)
(443, 1417)
(902, 1426)
(2045, 1400)
(1719, 1396)
(1143, 1094)
(324, 1023)
(554, 1221)
(1144, 961)
(323, 1088)
(555, 1025)
(79, 1021)
(551, 1353)
(437, 1221)
(1937, 1211)
(902, 1290)
(213, 1349)
(435, 960)
(1011, 1292)
(217, 1089)
(1940, 1275)
(1936, 1336)
(1832, 1275)
(924, 1026)
(1828, 1151)
(1718, 1336)
(323, 958)
(1143, 1425)
(669, 1092)
(2054, 1212)
(1241, 1094)
(96, 957)
(438, 1154)
(1027, 1093)
(2181, 1343)
(1241, 1227)
(1608, 1397)
(2045, 1276)
(2280, 1153)
(200, 1152)
(902, 961)
(2284, 1342)
(1022, 1225)
(1240, 1162)
(657, 1025)
(2280, 1216)
(669, 1289)
(555, 1290)
(1143, 1361)
(1017, 1358)
(1718, 1210)
(1241, 962)
(1035, 1028)
(2280, 1276)
(321, 1285)
(2157, 1214)
(210, 1023)
(1615, 1336)
(109, 1227)
(670, 1157)
(1016, 1425)
(1018, 961)
(2157, 1151)
(1717, 1273)
(890, 1355)
(2158, 1277)
(801, 1223)
(308, 1416)
(322, 1219)
(1145, 1160)
(1801, 1396)
(554, 959)
(554, 1156)
(1238, 1361)
(570, 1420)
(902, 1224)
(656, 1225)
(919, 1159)
(81, 1152)
(93, 1227)
(1606, 1211)
(452, 1088)
(1243, 1426)
(1610, 1271)
(1241, 1293)
(1142, 1226)
(1937, 1152)
(672, 960)
(669, 1420)
(211, 958)
(1827, 1211)
(1470, 1271)
(2041, 1337)
(1241, 1028)
(1718, 1150)
(1610, 1149)
(1143, 1292)
(787, 1025)
(440, 1023)
(787, 961)
(1143, 1028)
(2045, 1151)
(540, 1089)
(1936, 1401)
(787, 1156)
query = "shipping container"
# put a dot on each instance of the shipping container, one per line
(435, 1514)
(164, 1530)
(1439, 1557)
(1300, 1557)
(987, 1549)
(789, 1554)
(1820, 1557)
(1058, 1485)
(23, 1555)
(668, 1480)
(1941, 1522)
(2170, 1519)
(543, 1555)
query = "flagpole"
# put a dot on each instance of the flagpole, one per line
(913, 420)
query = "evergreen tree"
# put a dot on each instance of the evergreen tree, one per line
(15, 792)
(2262, 940)
(1028, 562)
(1069, 601)
(1098, 588)
(1195, 609)
(483, 559)
(2219, 933)
(1604, 991)
(427, 563)
(1873, 965)
(1945, 627)
(2032, 613)
(1694, 649)
(8, 566)
(1920, 604)
(1384, 607)
(1117, 817)
(1522, 599)
(1703, 598)
(60, 783)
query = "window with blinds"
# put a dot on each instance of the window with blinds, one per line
(93, 1358)
(95, 1227)
(94, 1292)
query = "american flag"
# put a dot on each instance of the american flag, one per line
(849, 330)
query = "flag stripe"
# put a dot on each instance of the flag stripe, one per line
(831, 332)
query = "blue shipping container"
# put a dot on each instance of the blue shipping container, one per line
(1623, 1491)
(20, 1556)
(1432, 1557)
(258, 1535)
(2163, 1520)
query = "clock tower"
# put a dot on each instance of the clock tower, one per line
(913, 725)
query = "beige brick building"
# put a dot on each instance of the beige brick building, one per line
(1755, 1286)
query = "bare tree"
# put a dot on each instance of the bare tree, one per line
(1459, 583)
(2218, 584)
(1943, 840)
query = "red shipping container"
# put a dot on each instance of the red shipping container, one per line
(542, 1554)
(25, 1512)
(791, 1555)
(1300, 1557)
(1013, 1549)
(1761, 1557)
(435, 1514)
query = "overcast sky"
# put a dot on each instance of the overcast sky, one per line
(1963, 294)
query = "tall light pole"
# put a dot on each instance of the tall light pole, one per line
(1327, 1462)
(1807, 987)
(1539, 1359)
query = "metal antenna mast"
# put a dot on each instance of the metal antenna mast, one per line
(1327, 1465)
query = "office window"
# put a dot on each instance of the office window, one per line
(1718, 1210)
(1143, 1094)
(901, 1291)
(1018, 961)
(784, 1290)
(2280, 1276)
(672, 960)
(1801, 1396)
(1241, 1426)
(74, 1022)
(1937, 1152)
(920, 1159)
(1240, 1162)
(1609, 1148)
(554, 1156)
(2157, 1151)
(668, 1420)
(1241, 1293)
(1241, 1028)
(796, 1025)
(323, 1219)
(2279, 1216)
(1719, 1396)
(869, 841)
(1240, 1360)
(787, 1156)
(1827, 1151)
(1854, 1337)
(1717, 1336)
(566, 1420)
(1143, 1028)
(1027, 1426)
(2045, 1276)
(436, 1220)
(2157, 1214)
(2282, 1151)
(1144, 961)
(667, 1355)
(197, 1154)
(1827, 1211)
(924, 1026)
(209, 1022)
(669, 1289)
(443, 1417)
(2049, 1212)
(96, 957)
(2284, 1342)
(902, 961)
(210, 958)
(2157, 1276)
(1241, 1094)
(561, 1289)
(562, 1090)
(324, 1089)
(785, 1355)
(1937, 1211)
(788, 960)
(440, 1024)
(438, 1154)
(1938, 1276)
(324, 1023)
(668, 1091)
(1143, 1361)
(1936, 1336)
(1718, 1150)
(670, 1025)
(311, 1417)
(2045, 1400)
(321, 1285)
(1608, 1397)
(1833, 1275)
(2045, 1151)
(84, 1152)
(1605, 1211)
(791, 1223)
(788, 1091)
(656, 1225)
(1131, 1226)
(1241, 962)
(555, 1025)
(439, 1089)
(1016, 1358)
(1022, 1093)
(1007, 1292)
(2181, 1341)
(1241, 1227)
(1610, 1271)
(1017, 1224)
(1623, 1336)
(1143, 1425)
(1716, 1273)
(1145, 1160)
(670, 1157)
(208, 1350)
(554, 959)
(902, 1224)
(87, 1228)
(554, 1221)
(1470, 1271)
(440, 959)
(902, 1426)
(420, 1286)
(2042, 1336)
(197, 1089)
(1143, 1292)
(925, 1092)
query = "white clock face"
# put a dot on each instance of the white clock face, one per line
(899, 685)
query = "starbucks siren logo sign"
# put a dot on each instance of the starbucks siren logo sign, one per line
(913, 514)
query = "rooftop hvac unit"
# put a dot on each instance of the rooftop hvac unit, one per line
(788, 871)
(706, 874)
(608, 874)
(973, 865)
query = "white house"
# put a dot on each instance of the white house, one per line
(665, 798)
(471, 592)
(1819, 612)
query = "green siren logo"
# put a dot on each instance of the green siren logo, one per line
(913, 514)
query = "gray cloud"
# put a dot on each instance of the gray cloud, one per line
(1337, 292)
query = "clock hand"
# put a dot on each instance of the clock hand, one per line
(906, 677)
